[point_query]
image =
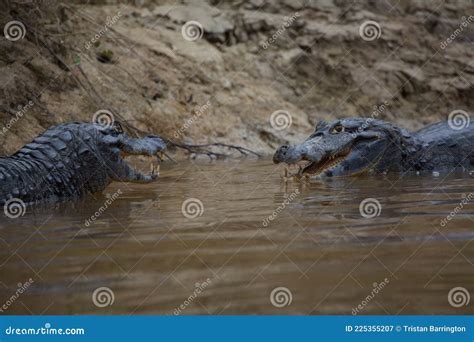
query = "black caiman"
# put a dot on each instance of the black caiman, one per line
(74, 159)
(354, 146)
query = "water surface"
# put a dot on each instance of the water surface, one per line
(254, 234)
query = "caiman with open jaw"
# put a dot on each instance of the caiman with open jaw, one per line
(74, 159)
(356, 146)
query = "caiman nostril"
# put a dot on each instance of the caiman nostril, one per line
(280, 154)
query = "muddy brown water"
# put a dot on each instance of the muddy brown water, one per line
(254, 235)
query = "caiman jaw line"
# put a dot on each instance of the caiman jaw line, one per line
(154, 166)
(301, 166)
(306, 167)
(154, 163)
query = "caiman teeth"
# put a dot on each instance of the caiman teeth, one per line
(154, 166)
(307, 168)
(297, 173)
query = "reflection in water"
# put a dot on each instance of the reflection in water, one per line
(248, 235)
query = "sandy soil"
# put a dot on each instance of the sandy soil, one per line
(308, 60)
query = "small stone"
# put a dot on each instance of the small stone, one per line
(226, 84)
(254, 49)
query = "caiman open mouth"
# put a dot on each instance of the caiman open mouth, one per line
(308, 167)
(154, 162)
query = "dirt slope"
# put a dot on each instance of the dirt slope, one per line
(310, 60)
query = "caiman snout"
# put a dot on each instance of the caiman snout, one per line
(280, 154)
(290, 154)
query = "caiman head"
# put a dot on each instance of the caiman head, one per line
(115, 145)
(73, 159)
(348, 147)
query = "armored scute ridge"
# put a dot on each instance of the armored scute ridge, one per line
(354, 146)
(71, 160)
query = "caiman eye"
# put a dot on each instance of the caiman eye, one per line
(117, 126)
(338, 129)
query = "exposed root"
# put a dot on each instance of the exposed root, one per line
(195, 149)
(203, 149)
